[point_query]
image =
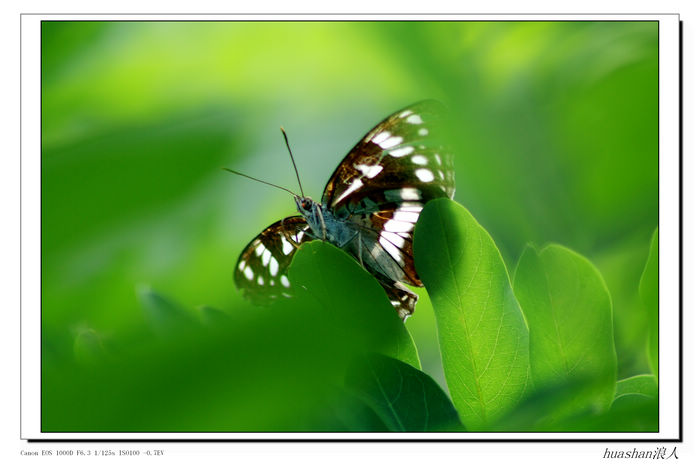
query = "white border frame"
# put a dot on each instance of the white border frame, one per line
(669, 234)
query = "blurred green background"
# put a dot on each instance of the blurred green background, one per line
(555, 135)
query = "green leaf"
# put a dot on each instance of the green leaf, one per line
(632, 412)
(557, 408)
(482, 334)
(88, 348)
(548, 408)
(213, 316)
(649, 292)
(351, 413)
(166, 317)
(350, 301)
(569, 314)
(405, 398)
(643, 385)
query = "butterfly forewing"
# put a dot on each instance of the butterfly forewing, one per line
(380, 188)
(261, 270)
(402, 158)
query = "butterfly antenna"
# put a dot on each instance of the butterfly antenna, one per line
(286, 141)
(261, 181)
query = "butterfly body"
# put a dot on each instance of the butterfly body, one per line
(346, 233)
(369, 208)
(322, 222)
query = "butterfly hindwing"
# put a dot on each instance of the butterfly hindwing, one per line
(261, 270)
(387, 241)
(402, 299)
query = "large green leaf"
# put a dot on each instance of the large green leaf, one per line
(548, 408)
(649, 291)
(258, 369)
(569, 314)
(641, 385)
(406, 399)
(482, 333)
(350, 301)
(166, 317)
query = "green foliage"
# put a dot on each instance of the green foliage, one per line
(554, 131)
(483, 337)
(404, 398)
(643, 385)
(292, 366)
(331, 280)
(569, 315)
(649, 291)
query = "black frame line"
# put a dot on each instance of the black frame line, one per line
(680, 231)
(366, 440)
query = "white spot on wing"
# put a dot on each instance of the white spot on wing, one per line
(406, 216)
(391, 142)
(423, 131)
(398, 226)
(274, 266)
(266, 257)
(411, 207)
(354, 186)
(425, 175)
(241, 265)
(392, 250)
(437, 159)
(419, 160)
(259, 249)
(284, 281)
(369, 171)
(415, 119)
(286, 246)
(403, 194)
(381, 137)
(394, 238)
(248, 273)
(410, 194)
(405, 113)
(400, 152)
(261, 281)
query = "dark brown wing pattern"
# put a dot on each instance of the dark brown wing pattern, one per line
(261, 270)
(403, 157)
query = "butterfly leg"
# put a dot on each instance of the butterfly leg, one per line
(359, 249)
(322, 221)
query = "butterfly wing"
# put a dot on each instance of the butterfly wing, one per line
(403, 151)
(261, 270)
(380, 188)
(402, 299)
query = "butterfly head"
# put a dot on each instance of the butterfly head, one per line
(306, 206)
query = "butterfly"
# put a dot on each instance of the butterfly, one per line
(369, 208)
